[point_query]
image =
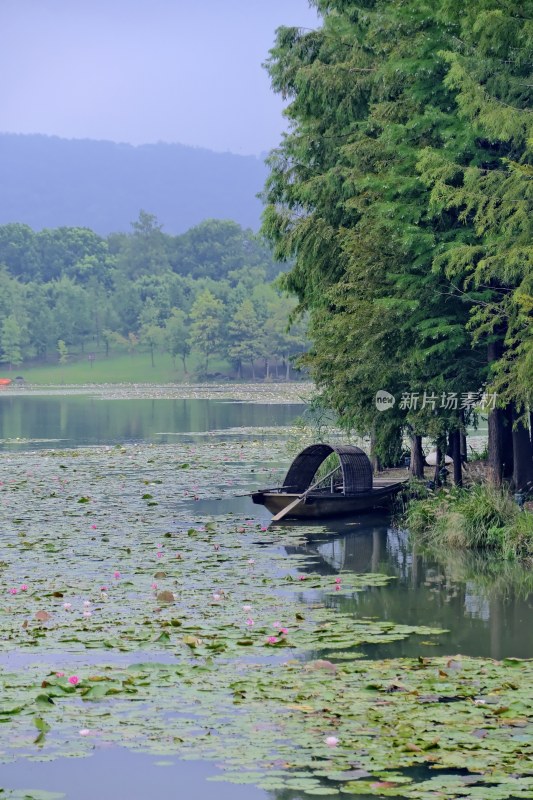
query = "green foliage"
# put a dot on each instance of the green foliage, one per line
(207, 324)
(480, 517)
(140, 288)
(62, 350)
(176, 336)
(246, 337)
(403, 194)
(11, 340)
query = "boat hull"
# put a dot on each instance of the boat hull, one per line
(321, 505)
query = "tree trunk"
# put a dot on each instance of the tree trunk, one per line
(417, 457)
(507, 443)
(455, 437)
(523, 460)
(495, 466)
(464, 447)
(253, 369)
(184, 365)
(288, 370)
(495, 423)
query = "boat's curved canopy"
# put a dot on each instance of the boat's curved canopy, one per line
(354, 465)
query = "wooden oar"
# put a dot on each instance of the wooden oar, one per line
(301, 497)
(262, 491)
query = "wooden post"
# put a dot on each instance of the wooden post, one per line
(438, 461)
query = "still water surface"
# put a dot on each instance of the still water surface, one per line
(486, 608)
(74, 421)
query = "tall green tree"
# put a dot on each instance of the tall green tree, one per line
(245, 337)
(146, 251)
(207, 325)
(151, 334)
(11, 341)
(176, 337)
(350, 199)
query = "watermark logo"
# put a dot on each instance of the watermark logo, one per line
(384, 400)
(454, 401)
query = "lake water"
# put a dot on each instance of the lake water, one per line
(485, 608)
(33, 421)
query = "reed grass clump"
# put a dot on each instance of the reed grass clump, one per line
(478, 518)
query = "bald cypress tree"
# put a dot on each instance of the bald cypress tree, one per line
(377, 113)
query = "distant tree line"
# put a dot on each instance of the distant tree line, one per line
(208, 291)
(403, 196)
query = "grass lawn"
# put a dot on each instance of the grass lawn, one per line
(115, 369)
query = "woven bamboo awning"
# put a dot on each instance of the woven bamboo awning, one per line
(354, 465)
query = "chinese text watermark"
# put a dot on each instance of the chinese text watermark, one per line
(449, 401)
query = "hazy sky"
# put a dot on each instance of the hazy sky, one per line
(144, 71)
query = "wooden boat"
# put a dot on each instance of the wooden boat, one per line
(347, 489)
(5, 381)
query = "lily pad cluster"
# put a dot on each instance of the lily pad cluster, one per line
(128, 617)
(419, 728)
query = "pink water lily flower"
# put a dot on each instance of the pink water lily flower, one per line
(250, 622)
(74, 680)
(116, 574)
(331, 741)
(24, 588)
(13, 591)
(60, 674)
(103, 588)
(272, 640)
(154, 586)
(85, 732)
(67, 606)
(337, 580)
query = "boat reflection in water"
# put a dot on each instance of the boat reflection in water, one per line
(485, 606)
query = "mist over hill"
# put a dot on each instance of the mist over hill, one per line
(48, 182)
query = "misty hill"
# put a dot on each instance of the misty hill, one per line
(48, 182)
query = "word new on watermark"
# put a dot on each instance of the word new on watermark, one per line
(449, 401)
